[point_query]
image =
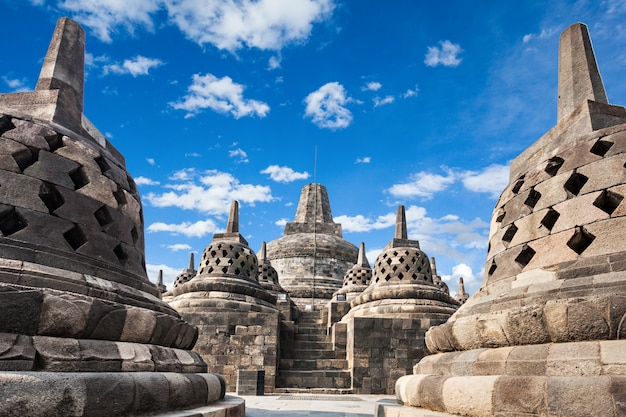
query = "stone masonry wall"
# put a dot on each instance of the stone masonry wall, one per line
(226, 347)
(381, 350)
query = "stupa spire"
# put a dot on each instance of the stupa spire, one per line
(232, 227)
(362, 259)
(191, 262)
(579, 77)
(263, 254)
(401, 232)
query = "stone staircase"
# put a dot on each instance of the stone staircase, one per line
(311, 364)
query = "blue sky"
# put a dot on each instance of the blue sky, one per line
(407, 102)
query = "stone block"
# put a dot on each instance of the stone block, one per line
(520, 395)
(135, 357)
(579, 396)
(58, 353)
(151, 392)
(108, 394)
(16, 352)
(469, 395)
(573, 359)
(21, 310)
(492, 361)
(527, 360)
(63, 314)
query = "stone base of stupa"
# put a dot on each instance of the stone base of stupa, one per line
(575, 379)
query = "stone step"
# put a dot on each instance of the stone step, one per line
(312, 345)
(333, 391)
(312, 364)
(311, 330)
(314, 379)
(314, 354)
(311, 337)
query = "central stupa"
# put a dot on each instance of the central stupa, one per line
(312, 257)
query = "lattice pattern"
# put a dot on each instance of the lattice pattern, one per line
(358, 275)
(229, 258)
(402, 264)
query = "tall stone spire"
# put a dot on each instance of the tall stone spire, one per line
(362, 259)
(263, 254)
(579, 77)
(232, 227)
(401, 237)
(192, 264)
(433, 265)
(313, 214)
(461, 296)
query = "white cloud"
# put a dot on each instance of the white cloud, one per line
(373, 254)
(360, 223)
(382, 101)
(145, 181)
(16, 84)
(326, 106)
(273, 63)
(221, 95)
(423, 184)
(188, 229)
(372, 86)
(284, 174)
(104, 17)
(364, 160)
(139, 65)
(192, 155)
(169, 273)
(151, 161)
(492, 180)
(239, 153)
(178, 247)
(263, 24)
(208, 192)
(446, 54)
(411, 92)
(281, 222)
(545, 33)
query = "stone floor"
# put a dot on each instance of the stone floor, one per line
(308, 405)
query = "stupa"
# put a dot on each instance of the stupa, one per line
(237, 318)
(82, 329)
(544, 335)
(312, 257)
(357, 278)
(387, 322)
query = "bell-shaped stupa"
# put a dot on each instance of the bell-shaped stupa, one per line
(82, 329)
(544, 334)
(357, 278)
(312, 257)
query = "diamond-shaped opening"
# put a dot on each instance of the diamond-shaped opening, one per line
(224, 253)
(25, 157)
(500, 216)
(75, 237)
(217, 261)
(407, 267)
(580, 240)
(119, 195)
(224, 269)
(549, 220)
(575, 183)
(414, 276)
(120, 253)
(395, 268)
(213, 253)
(103, 164)
(533, 198)
(10, 221)
(400, 275)
(510, 232)
(525, 256)
(401, 259)
(387, 277)
(388, 261)
(103, 215)
(134, 234)
(210, 269)
(55, 141)
(608, 201)
(5, 124)
(554, 164)
(518, 185)
(79, 178)
(601, 147)
(51, 197)
(237, 271)
(419, 269)
(395, 253)
(492, 267)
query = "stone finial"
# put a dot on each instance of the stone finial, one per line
(401, 232)
(362, 258)
(433, 265)
(579, 77)
(233, 218)
(461, 296)
(232, 227)
(160, 278)
(263, 254)
(313, 214)
(64, 70)
(192, 264)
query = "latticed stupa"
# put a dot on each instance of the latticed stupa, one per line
(544, 335)
(312, 257)
(358, 278)
(82, 329)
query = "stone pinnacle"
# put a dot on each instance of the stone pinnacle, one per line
(160, 278)
(579, 77)
(401, 232)
(433, 265)
(263, 255)
(362, 259)
(191, 262)
(233, 218)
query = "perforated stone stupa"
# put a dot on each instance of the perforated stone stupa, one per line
(82, 330)
(544, 335)
(358, 278)
(237, 318)
(312, 257)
